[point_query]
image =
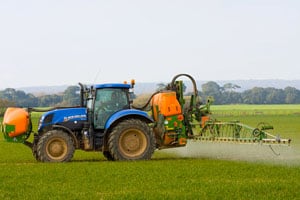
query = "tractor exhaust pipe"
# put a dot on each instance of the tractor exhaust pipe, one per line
(81, 94)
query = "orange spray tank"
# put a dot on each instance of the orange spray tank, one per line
(167, 113)
(16, 122)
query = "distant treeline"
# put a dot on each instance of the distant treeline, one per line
(12, 97)
(225, 94)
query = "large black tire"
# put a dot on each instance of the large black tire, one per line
(34, 152)
(55, 146)
(108, 156)
(131, 140)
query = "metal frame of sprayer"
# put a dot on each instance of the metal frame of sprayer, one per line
(209, 129)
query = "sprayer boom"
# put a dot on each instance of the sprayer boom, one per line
(238, 132)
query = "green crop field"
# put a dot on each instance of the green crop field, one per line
(202, 170)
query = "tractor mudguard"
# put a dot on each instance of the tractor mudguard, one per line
(127, 113)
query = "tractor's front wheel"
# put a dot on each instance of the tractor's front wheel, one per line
(131, 140)
(55, 146)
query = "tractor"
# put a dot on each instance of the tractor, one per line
(107, 121)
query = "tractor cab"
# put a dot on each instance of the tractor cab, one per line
(109, 98)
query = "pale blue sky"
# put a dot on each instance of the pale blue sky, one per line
(59, 42)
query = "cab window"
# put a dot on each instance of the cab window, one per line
(107, 102)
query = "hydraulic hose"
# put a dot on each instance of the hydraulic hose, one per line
(147, 103)
(49, 109)
(190, 77)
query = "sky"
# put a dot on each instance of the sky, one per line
(63, 42)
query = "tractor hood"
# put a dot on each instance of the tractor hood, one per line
(60, 116)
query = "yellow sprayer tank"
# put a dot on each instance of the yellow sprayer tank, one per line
(15, 122)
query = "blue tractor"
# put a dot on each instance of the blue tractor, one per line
(103, 122)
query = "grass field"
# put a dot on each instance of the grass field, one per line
(199, 171)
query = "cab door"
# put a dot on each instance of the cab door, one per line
(107, 102)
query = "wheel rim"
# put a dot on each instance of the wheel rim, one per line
(56, 148)
(132, 143)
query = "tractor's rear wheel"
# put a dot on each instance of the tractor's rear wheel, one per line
(108, 156)
(131, 140)
(55, 146)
